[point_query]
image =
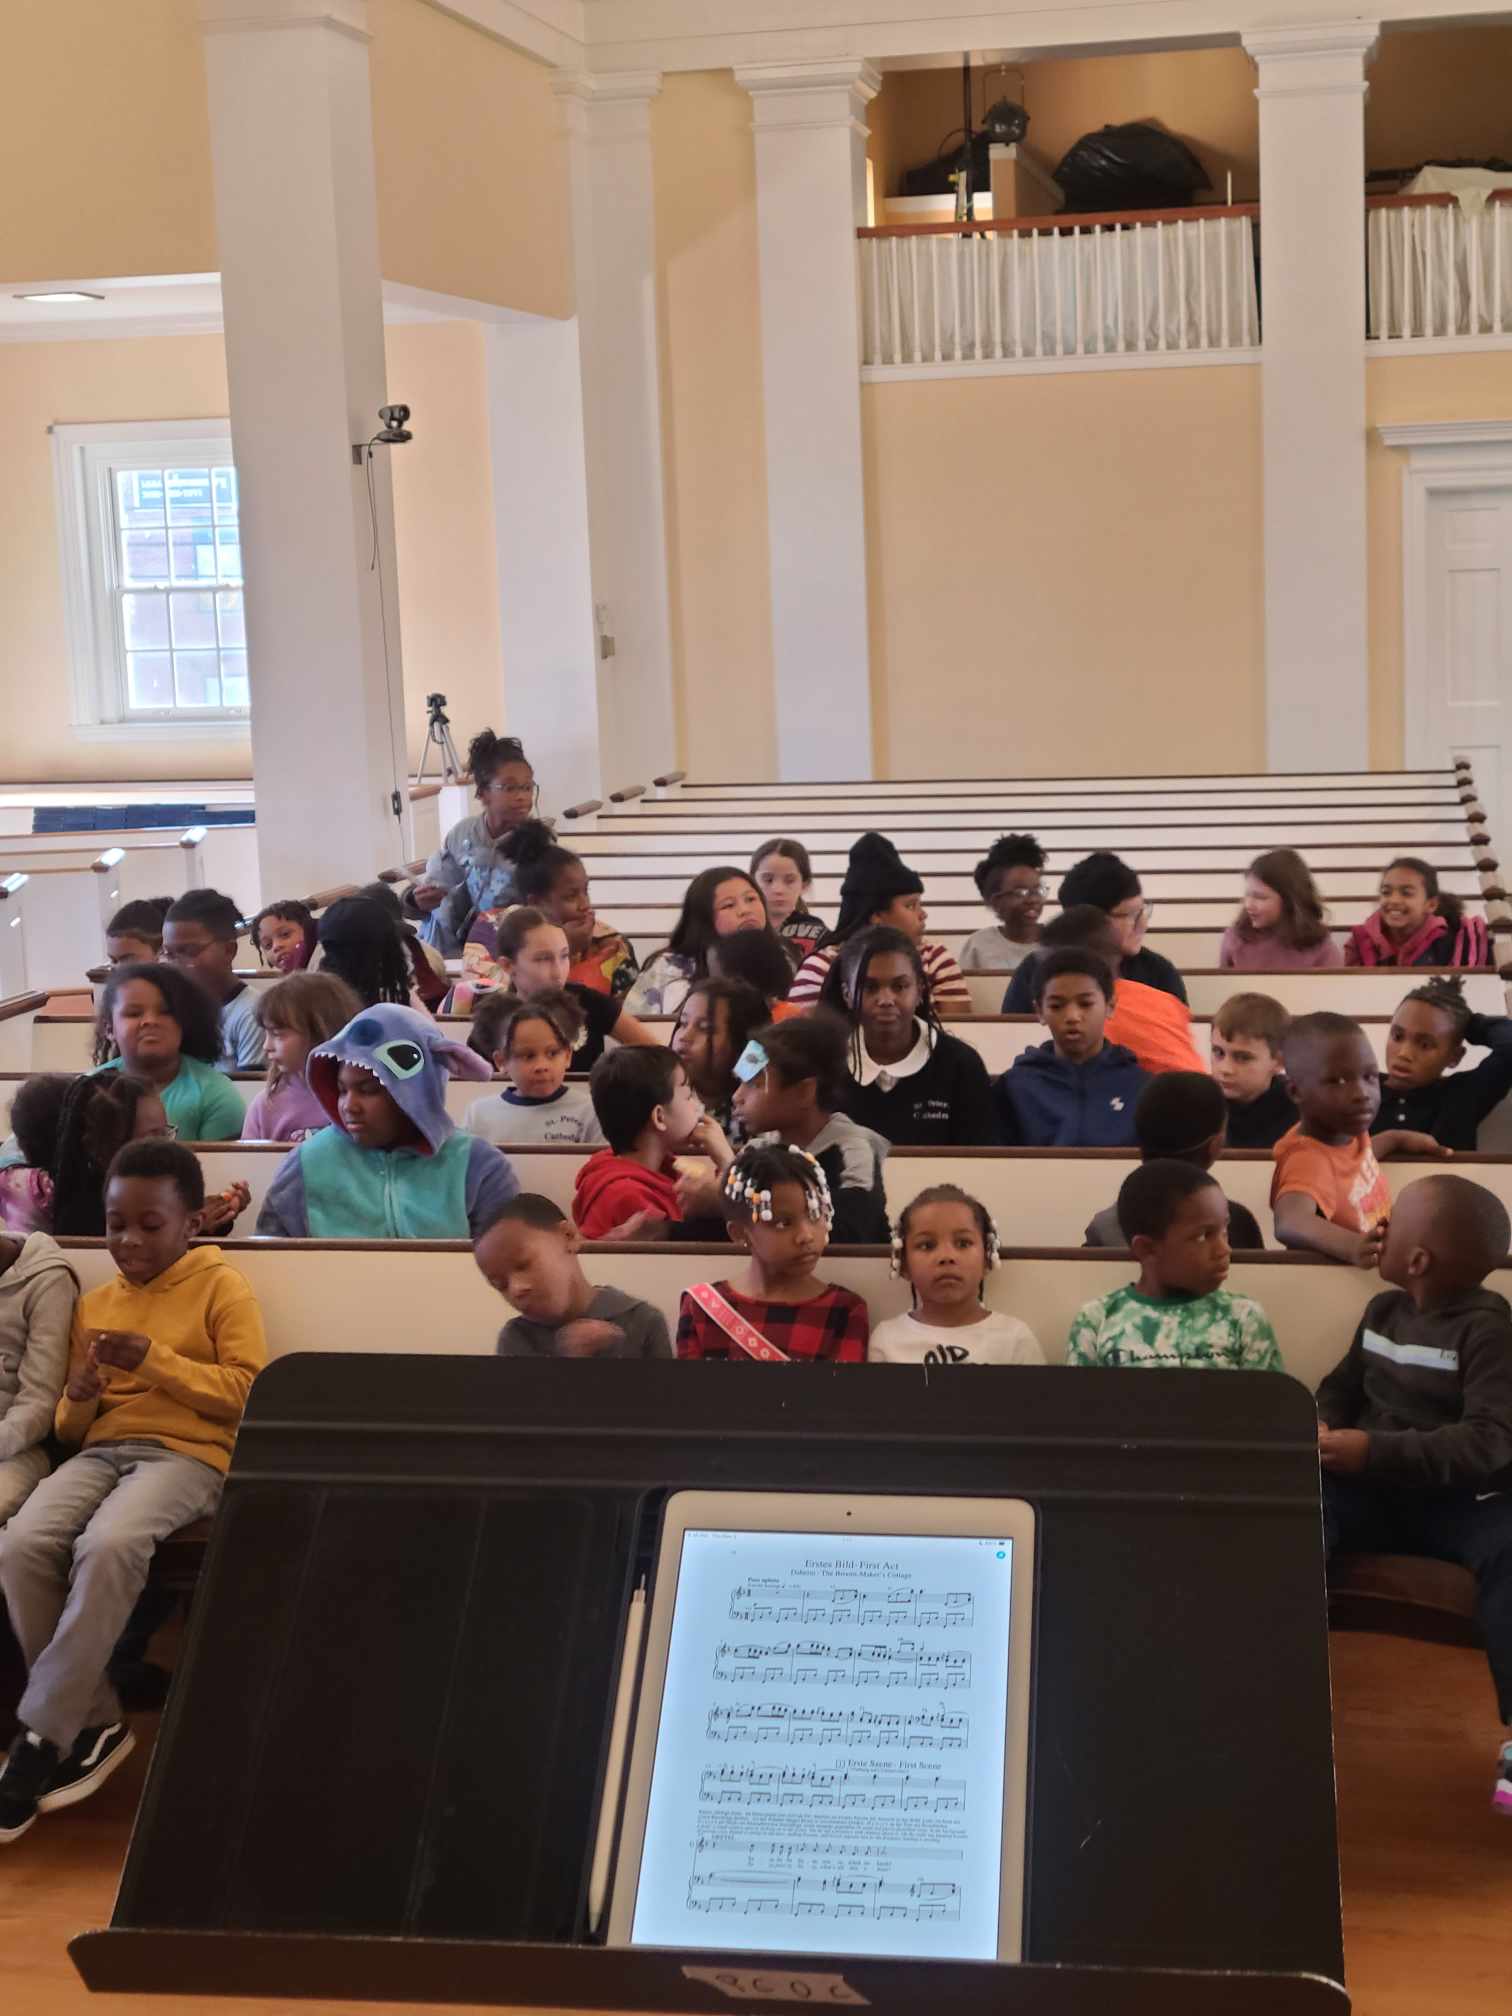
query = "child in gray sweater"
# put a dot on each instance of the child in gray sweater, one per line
(530, 1255)
(38, 1290)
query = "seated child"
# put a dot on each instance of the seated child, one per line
(944, 1248)
(783, 872)
(552, 879)
(394, 1166)
(200, 934)
(530, 956)
(285, 936)
(880, 891)
(1104, 882)
(38, 1290)
(1282, 926)
(1180, 1117)
(1328, 1193)
(1418, 924)
(134, 935)
(1174, 1219)
(1415, 1421)
(910, 1081)
(536, 1039)
(759, 959)
(26, 1186)
(1010, 880)
(716, 1021)
(1423, 1090)
(429, 978)
(1154, 1024)
(1248, 1032)
(162, 1360)
(158, 1024)
(1078, 1090)
(777, 1212)
(530, 1256)
(793, 1078)
(295, 1014)
(99, 1116)
(649, 1114)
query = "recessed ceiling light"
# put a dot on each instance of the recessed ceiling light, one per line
(61, 294)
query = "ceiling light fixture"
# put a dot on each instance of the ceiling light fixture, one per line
(61, 294)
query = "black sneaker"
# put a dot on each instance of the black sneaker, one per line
(86, 1767)
(29, 1768)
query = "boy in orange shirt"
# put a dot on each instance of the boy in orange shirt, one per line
(1328, 1193)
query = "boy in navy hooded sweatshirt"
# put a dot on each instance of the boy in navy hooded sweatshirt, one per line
(1078, 1090)
(394, 1165)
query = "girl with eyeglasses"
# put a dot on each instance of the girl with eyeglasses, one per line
(1011, 882)
(469, 872)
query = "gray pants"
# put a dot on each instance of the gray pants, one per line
(73, 1562)
(19, 1477)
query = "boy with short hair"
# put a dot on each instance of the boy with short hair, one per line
(1180, 1117)
(1078, 1090)
(649, 1114)
(1249, 1031)
(1174, 1219)
(1154, 1024)
(200, 936)
(1328, 1193)
(1102, 881)
(1415, 1421)
(530, 1256)
(162, 1360)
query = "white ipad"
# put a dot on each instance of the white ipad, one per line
(831, 1748)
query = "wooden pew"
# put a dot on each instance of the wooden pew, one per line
(1347, 990)
(628, 883)
(320, 1295)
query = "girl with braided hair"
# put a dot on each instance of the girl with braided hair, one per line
(100, 1114)
(910, 1082)
(469, 871)
(945, 1247)
(1422, 1090)
(777, 1213)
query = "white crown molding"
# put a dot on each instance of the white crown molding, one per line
(1436, 442)
(1306, 44)
(555, 31)
(849, 75)
(617, 87)
(252, 17)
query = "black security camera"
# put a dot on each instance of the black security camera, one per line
(395, 433)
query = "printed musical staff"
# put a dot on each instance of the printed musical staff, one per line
(754, 1893)
(842, 1728)
(754, 1787)
(904, 1664)
(768, 1601)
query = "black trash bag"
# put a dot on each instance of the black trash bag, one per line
(1133, 167)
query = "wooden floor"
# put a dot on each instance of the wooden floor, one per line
(1427, 1866)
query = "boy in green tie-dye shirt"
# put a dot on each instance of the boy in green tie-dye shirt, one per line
(1178, 1313)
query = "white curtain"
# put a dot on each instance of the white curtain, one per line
(1441, 270)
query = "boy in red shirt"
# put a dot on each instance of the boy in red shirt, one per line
(649, 1114)
(1328, 1193)
(777, 1212)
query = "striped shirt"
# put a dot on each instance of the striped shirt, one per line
(947, 983)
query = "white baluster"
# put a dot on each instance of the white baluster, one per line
(1041, 348)
(1079, 243)
(1121, 241)
(1060, 320)
(1405, 323)
(897, 303)
(1225, 233)
(934, 281)
(872, 275)
(1473, 242)
(1181, 279)
(955, 252)
(918, 301)
(1139, 288)
(995, 267)
(1500, 215)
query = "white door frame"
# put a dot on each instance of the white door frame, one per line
(1443, 455)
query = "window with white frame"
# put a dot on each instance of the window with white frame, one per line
(153, 574)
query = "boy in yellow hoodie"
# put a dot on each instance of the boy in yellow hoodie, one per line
(160, 1365)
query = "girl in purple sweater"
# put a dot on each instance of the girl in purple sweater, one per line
(296, 1013)
(1282, 926)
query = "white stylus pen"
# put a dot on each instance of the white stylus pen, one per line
(614, 1771)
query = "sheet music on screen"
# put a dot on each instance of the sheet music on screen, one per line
(829, 1764)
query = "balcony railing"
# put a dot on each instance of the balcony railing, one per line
(1437, 269)
(1135, 284)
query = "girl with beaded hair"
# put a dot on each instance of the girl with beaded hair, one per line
(944, 1246)
(777, 1213)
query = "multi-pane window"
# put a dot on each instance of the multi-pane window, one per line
(153, 564)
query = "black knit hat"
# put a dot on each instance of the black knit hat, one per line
(875, 877)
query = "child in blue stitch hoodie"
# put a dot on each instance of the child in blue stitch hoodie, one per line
(1078, 1090)
(394, 1166)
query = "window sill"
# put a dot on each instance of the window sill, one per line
(163, 731)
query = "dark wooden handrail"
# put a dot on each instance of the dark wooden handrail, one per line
(1066, 220)
(21, 1004)
(623, 796)
(672, 777)
(323, 898)
(581, 811)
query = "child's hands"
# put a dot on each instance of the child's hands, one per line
(125, 1349)
(1343, 1450)
(1368, 1252)
(427, 895)
(226, 1206)
(589, 1337)
(1403, 1141)
(85, 1384)
(646, 1224)
(709, 1138)
(698, 1196)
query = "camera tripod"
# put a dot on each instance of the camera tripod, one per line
(438, 737)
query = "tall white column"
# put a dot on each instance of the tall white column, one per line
(810, 196)
(535, 427)
(297, 229)
(1312, 219)
(608, 121)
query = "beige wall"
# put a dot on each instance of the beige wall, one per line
(1399, 389)
(715, 459)
(1444, 91)
(443, 518)
(1065, 573)
(471, 162)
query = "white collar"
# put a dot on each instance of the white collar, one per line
(885, 1076)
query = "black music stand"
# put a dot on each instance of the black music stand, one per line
(378, 1773)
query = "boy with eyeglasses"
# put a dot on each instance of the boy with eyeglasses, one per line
(1108, 884)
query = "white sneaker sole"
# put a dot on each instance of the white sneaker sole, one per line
(70, 1795)
(9, 1834)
